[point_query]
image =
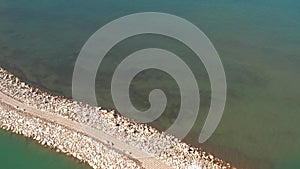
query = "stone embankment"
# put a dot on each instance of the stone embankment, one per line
(167, 148)
(64, 140)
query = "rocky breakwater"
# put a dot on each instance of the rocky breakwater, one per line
(167, 148)
(70, 142)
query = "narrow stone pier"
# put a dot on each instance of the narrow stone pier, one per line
(98, 137)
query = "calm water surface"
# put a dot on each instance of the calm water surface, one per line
(258, 43)
(18, 152)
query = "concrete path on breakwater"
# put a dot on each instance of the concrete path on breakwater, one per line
(148, 161)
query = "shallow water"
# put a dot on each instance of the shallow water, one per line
(19, 152)
(258, 43)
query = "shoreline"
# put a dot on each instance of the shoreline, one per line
(35, 148)
(25, 126)
(161, 147)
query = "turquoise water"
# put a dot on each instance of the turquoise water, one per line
(18, 152)
(258, 43)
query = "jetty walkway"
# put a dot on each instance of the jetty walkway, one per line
(147, 160)
(102, 138)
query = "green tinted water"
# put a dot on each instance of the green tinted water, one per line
(258, 43)
(18, 152)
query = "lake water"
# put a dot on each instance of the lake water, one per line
(258, 43)
(19, 152)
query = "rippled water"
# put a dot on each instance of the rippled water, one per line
(258, 43)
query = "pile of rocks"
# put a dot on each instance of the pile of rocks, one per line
(70, 142)
(163, 146)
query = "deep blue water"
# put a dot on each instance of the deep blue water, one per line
(258, 43)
